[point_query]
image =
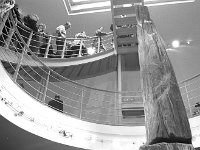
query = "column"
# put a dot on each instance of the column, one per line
(166, 122)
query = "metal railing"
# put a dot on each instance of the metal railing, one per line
(76, 100)
(49, 46)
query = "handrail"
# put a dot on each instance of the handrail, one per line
(110, 33)
(85, 102)
(56, 72)
(53, 36)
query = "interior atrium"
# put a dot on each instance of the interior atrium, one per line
(93, 86)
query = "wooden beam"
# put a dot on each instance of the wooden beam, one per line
(165, 114)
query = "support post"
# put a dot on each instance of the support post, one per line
(64, 48)
(98, 46)
(43, 86)
(119, 88)
(167, 125)
(80, 49)
(3, 21)
(21, 58)
(10, 35)
(190, 108)
(47, 49)
(81, 109)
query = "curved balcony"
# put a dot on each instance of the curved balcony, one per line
(95, 105)
(35, 85)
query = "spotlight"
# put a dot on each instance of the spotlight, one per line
(176, 44)
(91, 50)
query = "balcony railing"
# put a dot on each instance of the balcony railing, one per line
(49, 46)
(72, 98)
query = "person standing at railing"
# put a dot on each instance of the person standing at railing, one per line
(111, 29)
(61, 33)
(16, 13)
(98, 41)
(29, 21)
(56, 104)
(5, 6)
(44, 41)
(78, 44)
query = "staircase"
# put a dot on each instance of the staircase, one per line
(124, 25)
(125, 41)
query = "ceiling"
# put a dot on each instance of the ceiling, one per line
(181, 21)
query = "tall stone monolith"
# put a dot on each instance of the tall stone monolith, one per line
(166, 121)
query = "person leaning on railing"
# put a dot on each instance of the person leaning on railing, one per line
(9, 24)
(31, 22)
(61, 35)
(43, 40)
(78, 44)
(5, 6)
(16, 14)
(99, 40)
(29, 25)
(56, 104)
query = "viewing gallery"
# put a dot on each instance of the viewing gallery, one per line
(112, 75)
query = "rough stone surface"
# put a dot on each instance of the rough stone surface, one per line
(165, 115)
(167, 146)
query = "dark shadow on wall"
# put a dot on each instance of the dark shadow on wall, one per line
(15, 138)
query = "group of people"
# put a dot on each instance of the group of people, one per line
(75, 45)
(40, 39)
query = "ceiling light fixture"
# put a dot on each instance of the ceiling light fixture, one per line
(90, 50)
(176, 44)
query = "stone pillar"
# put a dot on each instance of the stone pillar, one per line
(167, 125)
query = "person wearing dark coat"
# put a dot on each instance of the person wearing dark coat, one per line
(30, 22)
(57, 103)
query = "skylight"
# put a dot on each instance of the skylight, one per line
(74, 7)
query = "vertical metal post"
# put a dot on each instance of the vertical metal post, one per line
(114, 28)
(119, 86)
(188, 99)
(21, 58)
(10, 35)
(64, 47)
(98, 49)
(46, 86)
(80, 50)
(81, 109)
(47, 49)
(3, 21)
